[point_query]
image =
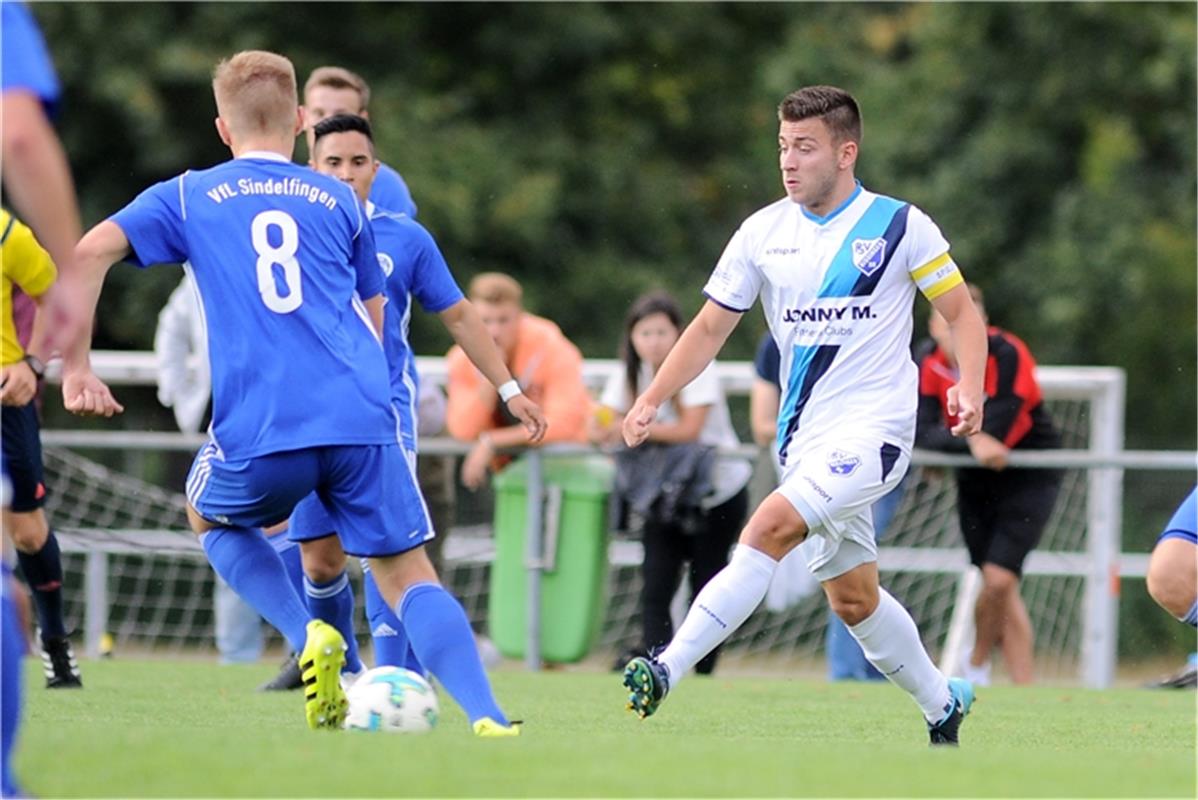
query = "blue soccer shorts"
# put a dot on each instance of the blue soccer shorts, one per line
(368, 492)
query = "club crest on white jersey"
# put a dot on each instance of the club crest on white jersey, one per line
(869, 254)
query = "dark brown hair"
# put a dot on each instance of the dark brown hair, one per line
(835, 107)
(646, 305)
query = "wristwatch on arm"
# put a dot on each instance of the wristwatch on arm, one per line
(36, 365)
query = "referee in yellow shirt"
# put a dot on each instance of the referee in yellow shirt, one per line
(27, 265)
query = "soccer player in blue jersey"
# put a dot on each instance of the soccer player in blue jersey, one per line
(837, 268)
(414, 269)
(1173, 578)
(330, 91)
(285, 265)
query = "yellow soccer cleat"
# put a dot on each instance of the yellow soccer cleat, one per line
(320, 664)
(489, 728)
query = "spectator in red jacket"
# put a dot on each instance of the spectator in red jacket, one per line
(1002, 511)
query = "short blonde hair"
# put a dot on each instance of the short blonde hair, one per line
(495, 288)
(255, 92)
(339, 78)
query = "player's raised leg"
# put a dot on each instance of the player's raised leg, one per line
(1173, 568)
(721, 606)
(240, 553)
(327, 590)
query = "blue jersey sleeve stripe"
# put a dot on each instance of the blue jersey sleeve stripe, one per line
(725, 306)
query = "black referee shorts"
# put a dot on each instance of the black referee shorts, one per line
(1003, 514)
(20, 438)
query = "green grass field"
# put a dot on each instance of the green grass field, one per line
(186, 729)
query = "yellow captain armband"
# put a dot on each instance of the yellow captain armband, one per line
(937, 276)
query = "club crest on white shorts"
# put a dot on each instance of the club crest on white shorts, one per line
(842, 464)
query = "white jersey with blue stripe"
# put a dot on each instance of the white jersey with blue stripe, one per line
(837, 293)
(281, 256)
(414, 267)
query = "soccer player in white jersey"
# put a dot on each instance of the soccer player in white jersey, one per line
(285, 264)
(836, 267)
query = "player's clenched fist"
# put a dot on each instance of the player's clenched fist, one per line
(531, 415)
(967, 407)
(637, 422)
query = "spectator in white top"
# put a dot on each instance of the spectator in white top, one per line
(674, 534)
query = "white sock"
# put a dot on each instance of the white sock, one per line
(978, 676)
(721, 607)
(891, 642)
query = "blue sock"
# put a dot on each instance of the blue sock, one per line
(391, 645)
(12, 650)
(333, 602)
(248, 563)
(1192, 617)
(444, 643)
(289, 551)
(43, 573)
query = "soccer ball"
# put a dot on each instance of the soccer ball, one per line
(393, 700)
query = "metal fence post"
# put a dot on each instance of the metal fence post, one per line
(95, 611)
(533, 558)
(1100, 642)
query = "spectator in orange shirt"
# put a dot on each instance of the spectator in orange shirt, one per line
(546, 364)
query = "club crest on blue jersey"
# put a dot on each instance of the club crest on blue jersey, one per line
(387, 264)
(868, 254)
(842, 463)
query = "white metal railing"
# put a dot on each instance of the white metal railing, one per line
(1099, 565)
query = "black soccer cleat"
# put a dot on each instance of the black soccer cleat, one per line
(1185, 678)
(946, 732)
(289, 677)
(648, 683)
(59, 664)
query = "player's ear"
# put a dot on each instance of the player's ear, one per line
(848, 154)
(222, 130)
(299, 120)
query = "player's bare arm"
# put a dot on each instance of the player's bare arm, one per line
(375, 308)
(467, 329)
(965, 399)
(37, 177)
(82, 392)
(695, 349)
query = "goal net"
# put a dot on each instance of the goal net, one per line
(134, 571)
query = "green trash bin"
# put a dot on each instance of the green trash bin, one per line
(575, 545)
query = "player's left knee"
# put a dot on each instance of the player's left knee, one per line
(998, 580)
(853, 604)
(28, 529)
(1170, 591)
(1171, 577)
(323, 559)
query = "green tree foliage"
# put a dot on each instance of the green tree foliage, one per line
(597, 150)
